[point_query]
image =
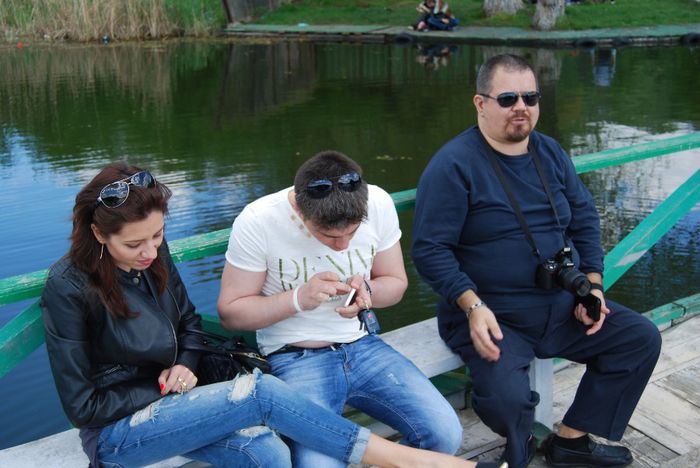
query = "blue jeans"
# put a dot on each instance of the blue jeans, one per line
(221, 424)
(435, 22)
(373, 377)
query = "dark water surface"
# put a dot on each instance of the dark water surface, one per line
(224, 123)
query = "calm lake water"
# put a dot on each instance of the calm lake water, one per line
(223, 123)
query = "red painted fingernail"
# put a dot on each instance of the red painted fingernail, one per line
(162, 388)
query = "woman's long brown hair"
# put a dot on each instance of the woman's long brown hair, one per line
(85, 249)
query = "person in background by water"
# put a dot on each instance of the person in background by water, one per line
(116, 316)
(508, 235)
(435, 15)
(292, 259)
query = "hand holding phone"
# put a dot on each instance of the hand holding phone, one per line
(367, 317)
(351, 297)
(592, 305)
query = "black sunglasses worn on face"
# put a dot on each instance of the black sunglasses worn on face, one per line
(321, 188)
(508, 99)
(115, 194)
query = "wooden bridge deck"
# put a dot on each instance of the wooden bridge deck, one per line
(665, 428)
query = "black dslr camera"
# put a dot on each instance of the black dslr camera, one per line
(561, 271)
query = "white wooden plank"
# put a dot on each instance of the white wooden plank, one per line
(681, 332)
(668, 419)
(63, 450)
(421, 343)
(690, 459)
(646, 451)
(678, 352)
(684, 383)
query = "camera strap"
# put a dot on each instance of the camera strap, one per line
(514, 203)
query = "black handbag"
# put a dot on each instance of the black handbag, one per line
(222, 358)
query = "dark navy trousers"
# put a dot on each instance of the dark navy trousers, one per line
(619, 360)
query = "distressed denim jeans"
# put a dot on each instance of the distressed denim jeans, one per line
(371, 376)
(230, 424)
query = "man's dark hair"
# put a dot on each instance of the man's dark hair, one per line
(508, 62)
(340, 208)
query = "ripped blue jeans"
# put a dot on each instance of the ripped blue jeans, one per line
(230, 424)
(373, 377)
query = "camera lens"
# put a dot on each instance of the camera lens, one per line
(572, 280)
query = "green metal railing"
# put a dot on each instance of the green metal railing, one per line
(24, 333)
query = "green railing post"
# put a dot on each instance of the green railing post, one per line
(651, 229)
(617, 156)
(20, 337)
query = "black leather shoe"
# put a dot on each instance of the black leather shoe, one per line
(596, 455)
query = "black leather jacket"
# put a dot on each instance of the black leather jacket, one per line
(107, 368)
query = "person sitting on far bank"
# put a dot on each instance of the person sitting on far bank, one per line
(292, 260)
(117, 315)
(435, 15)
(508, 235)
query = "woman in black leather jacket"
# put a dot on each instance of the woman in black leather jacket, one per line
(116, 313)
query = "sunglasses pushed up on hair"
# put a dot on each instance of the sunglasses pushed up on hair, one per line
(321, 188)
(509, 98)
(115, 194)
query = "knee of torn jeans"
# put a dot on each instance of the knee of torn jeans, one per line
(255, 431)
(146, 414)
(243, 386)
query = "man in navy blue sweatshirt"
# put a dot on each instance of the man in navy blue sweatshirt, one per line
(508, 282)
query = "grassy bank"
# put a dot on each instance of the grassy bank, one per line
(86, 20)
(624, 13)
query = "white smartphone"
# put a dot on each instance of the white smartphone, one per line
(351, 297)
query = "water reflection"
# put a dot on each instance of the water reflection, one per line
(223, 123)
(274, 75)
(434, 56)
(603, 65)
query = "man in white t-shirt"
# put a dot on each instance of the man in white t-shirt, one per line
(292, 259)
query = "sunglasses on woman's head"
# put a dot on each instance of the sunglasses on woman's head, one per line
(509, 98)
(321, 188)
(115, 194)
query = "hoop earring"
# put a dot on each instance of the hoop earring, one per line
(102, 250)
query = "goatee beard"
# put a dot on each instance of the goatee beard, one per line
(518, 133)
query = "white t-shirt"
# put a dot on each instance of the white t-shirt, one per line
(269, 236)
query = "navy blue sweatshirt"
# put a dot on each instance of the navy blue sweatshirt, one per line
(466, 234)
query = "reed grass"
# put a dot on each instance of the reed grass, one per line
(86, 20)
